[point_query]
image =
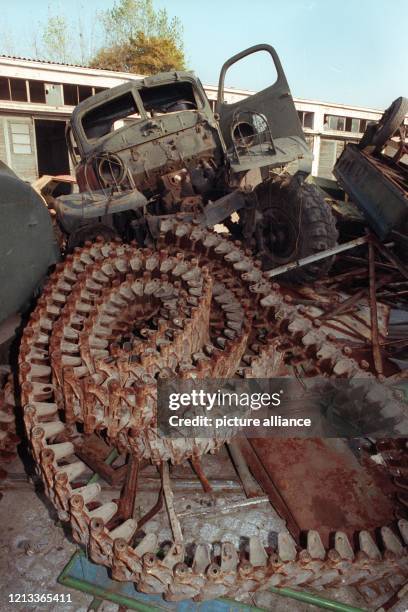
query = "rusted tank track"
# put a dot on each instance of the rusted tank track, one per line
(112, 319)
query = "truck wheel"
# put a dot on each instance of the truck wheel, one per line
(89, 232)
(390, 122)
(295, 222)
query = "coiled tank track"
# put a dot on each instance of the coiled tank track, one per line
(111, 320)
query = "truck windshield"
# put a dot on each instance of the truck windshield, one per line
(169, 98)
(114, 113)
(108, 116)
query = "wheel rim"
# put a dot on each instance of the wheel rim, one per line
(280, 235)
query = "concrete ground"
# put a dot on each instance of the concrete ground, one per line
(34, 549)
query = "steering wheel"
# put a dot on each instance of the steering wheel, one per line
(181, 103)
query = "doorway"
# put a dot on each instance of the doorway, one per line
(52, 150)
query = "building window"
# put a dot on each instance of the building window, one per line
(353, 124)
(333, 122)
(84, 92)
(71, 97)
(306, 119)
(18, 90)
(345, 124)
(20, 138)
(4, 88)
(70, 94)
(74, 94)
(54, 94)
(37, 92)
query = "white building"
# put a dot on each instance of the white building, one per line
(37, 97)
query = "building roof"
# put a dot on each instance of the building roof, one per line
(42, 61)
(32, 64)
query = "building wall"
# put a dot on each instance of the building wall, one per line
(4, 149)
(17, 145)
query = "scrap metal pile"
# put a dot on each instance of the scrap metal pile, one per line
(365, 306)
(113, 319)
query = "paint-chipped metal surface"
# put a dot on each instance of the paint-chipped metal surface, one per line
(27, 242)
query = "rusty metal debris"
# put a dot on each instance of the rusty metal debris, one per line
(225, 509)
(111, 320)
(394, 456)
(365, 306)
(374, 173)
(8, 436)
(373, 312)
(310, 259)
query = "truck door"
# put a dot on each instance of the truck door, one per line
(271, 112)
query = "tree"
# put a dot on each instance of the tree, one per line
(141, 54)
(140, 39)
(64, 39)
(56, 39)
(128, 17)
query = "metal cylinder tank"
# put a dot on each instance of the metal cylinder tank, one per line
(27, 242)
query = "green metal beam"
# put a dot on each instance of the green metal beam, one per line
(316, 600)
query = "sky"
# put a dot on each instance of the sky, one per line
(344, 51)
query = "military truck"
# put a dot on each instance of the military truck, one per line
(153, 147)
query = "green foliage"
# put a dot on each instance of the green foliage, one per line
(56, 40)
(63, 38)
(127, 18)
(140, 39)
(141, 54)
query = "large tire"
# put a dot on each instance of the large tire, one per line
(295, 222)
(389, 123)
(89, 232)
